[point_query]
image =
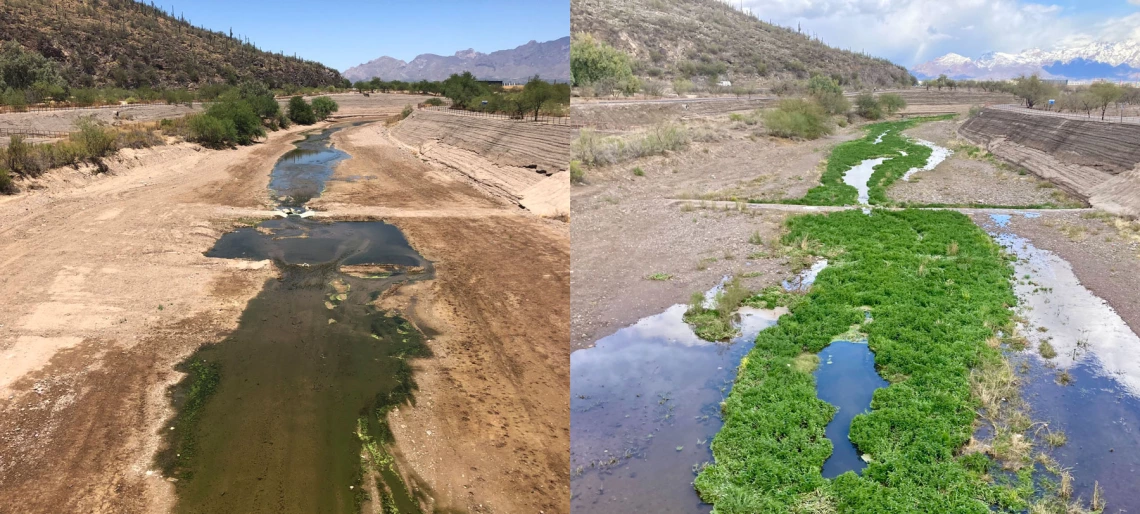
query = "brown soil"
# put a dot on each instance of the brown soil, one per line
(625, 228)
(1103, 250)
(64, 120)
(114, 290)
(490, 428)
(961, 179)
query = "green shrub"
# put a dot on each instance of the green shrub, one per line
(6, 186)
(17, 155)
(406, 112)
(892, 103)
(577, 176)
(434, 102)
(868, 107)
(833, 103)
(95, 141)
(682, 86)
(212, 132)
(283, 120)
(240, 115)
(323, 106)
(301, 112)
(593, 61)
(798, 118)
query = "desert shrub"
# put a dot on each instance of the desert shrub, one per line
(653, 87)
(975, 110)
(136, 138)
(323, 106)
(577, 176)
(301, 112)
(682, 86)
(240, 115)
(868, 107)
(212, 132)
(593, 61)
(797, 118)
(592, 149)
(96, 142)
(892, 103)
(6, 186)
(283, 120)
(85, 97)
(434, 102)
(16, 156)
(406, 112)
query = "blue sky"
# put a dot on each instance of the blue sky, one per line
(910, 32)
(344, 34)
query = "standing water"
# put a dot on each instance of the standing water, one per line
(1091, 389)
(289, 413)
(845, 378)
(644, 405)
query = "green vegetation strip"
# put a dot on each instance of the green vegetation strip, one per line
(937, 288)
(832, 190)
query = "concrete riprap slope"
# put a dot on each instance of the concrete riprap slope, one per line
(522, 162)
(1094, 160)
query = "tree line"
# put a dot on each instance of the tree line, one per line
(536, 97)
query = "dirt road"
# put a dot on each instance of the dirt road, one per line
(490, 428)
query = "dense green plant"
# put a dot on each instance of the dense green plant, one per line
(892, 103)
(832, 190)
(323, 106)
(798, 118)
(594, 62)
(300, 112)
(462, 88)
(867, 106)
(932, 312)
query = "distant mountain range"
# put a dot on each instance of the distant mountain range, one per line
(1112, 61)
(549, 60)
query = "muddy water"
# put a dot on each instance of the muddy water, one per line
(846, 378)
(1098, 354)
(644, 405)
(300, 174)
(288, 414)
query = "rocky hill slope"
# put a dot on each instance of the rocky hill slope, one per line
(549, 60)
(129, 44)
(702, 37)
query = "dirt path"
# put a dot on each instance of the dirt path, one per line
(490, 428)
(107, 289)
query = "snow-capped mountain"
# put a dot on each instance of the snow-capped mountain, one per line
(1099, 60)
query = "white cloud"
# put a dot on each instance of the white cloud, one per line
(914, 31)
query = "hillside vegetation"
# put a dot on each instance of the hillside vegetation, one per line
(707, 38)
(127, 44)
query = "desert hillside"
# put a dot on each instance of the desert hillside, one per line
(128, 44)
(706, 37)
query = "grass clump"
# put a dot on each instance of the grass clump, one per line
(1046, 350)
(926, 339)
(593, 149)
(660, 277)
(638, 172)
(715, 322)
(798, 119)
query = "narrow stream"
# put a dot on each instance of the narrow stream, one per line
(1091, 388)
(288, 414)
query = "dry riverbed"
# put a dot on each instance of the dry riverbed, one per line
(111, 290)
